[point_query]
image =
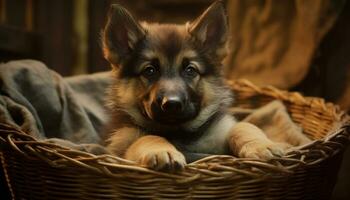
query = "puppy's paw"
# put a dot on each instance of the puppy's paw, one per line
(168, 160)
(261, 149)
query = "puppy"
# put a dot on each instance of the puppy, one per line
(169, 95)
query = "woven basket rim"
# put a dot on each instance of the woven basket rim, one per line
(212, 167)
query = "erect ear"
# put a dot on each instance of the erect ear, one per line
(210, 28)
(120, 34)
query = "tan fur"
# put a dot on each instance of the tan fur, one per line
(155, 152)
(248, 141)
(126, 93)
(212, 98)
(273, 119)
(121, 139)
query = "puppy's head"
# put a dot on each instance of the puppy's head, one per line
(165, 72)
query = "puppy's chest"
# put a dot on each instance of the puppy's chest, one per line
(214, 140)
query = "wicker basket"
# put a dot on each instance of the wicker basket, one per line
(38, 170)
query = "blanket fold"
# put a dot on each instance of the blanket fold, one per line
(39, 101)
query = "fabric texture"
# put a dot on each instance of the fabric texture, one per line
(39, 101)
(273, 42)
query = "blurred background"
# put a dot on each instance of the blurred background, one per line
(292, 44)
(295, 45)
(65, 34)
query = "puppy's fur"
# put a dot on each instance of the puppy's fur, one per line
(169, 95)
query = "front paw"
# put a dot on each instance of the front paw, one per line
(166, 160)
(261, 149)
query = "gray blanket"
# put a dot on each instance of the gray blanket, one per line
(39, 101)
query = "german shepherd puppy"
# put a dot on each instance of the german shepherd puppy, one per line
(169, 95)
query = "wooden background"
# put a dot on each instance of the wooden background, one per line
(65, 34)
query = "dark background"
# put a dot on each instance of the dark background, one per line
(65, 34)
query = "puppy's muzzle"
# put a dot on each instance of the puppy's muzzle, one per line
(172, 107)
(171, 104)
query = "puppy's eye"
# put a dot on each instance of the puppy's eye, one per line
(149, 71)
(191, 71)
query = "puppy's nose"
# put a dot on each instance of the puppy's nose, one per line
(172, 104)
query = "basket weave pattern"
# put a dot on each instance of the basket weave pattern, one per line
(39, 170)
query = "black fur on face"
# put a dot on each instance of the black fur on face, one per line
(167, 74)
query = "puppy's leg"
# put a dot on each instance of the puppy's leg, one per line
(274, 120)
(121, 139)
(247, 140)
(156, 153)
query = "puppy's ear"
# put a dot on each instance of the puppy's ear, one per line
(210, 28)
(120, 34)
